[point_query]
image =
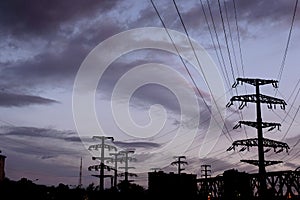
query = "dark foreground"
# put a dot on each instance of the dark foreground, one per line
(26, 189)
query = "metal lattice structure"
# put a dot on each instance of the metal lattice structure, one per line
(280, 184)
(253, 98)
(205, 171)
(270, 125)
(260, 141)
(179, 162)
(214, 187)
(283, 184)
(126, 158)
(252, 142)
(102, 147)
(115, 159)
(98, 167)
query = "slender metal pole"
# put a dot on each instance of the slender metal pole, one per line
(126, 167)
(101, 185)
(261, 157)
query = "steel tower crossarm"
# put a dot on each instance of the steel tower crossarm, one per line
(255, 81)
(251, 142)
(272, 125)
(267, 162)
(252, 98)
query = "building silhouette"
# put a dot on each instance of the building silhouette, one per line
(2, 166)
(236, 185)
(162, 184)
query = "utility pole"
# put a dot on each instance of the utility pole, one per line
(115, 160)
(102, 146)
(126, 158)
(80, 174)
(260, 141)
(179, 162)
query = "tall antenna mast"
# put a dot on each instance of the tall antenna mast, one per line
(80, 174)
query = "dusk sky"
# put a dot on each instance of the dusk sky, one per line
(45, 43)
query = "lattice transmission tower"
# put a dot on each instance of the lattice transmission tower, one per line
(260, 141)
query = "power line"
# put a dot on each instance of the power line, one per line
(287, 114)
(232, 44)
(293, 90)
(241, 114)
(192, 46)
(231, 40)
(6, 122)
(217, 38)
(283, 119)
(197, 146)
(226, 39)
(239, 38)
(227, 45)
(296, 155)
(185, 64)
(291, 124)
(287, 44)
(289, 130)
(224, 72)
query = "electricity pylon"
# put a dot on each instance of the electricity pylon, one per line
(179, 162)
(126, 158)
(260, 141)
(102, 146)
(115, 159)
(97, 168)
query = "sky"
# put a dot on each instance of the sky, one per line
(148, 99)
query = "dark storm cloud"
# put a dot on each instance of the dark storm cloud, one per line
(41, 143)
(58, 64)
(261, 11)
(136, 144)
(20, 17)
(45, 68)
(47, 157)
(39, 133)
(51, 23)
(51, 66)
(252, 16)
(19, 100)
(35, 147)
(35, 159)
(38, 17)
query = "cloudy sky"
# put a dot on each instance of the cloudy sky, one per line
(44, 44)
